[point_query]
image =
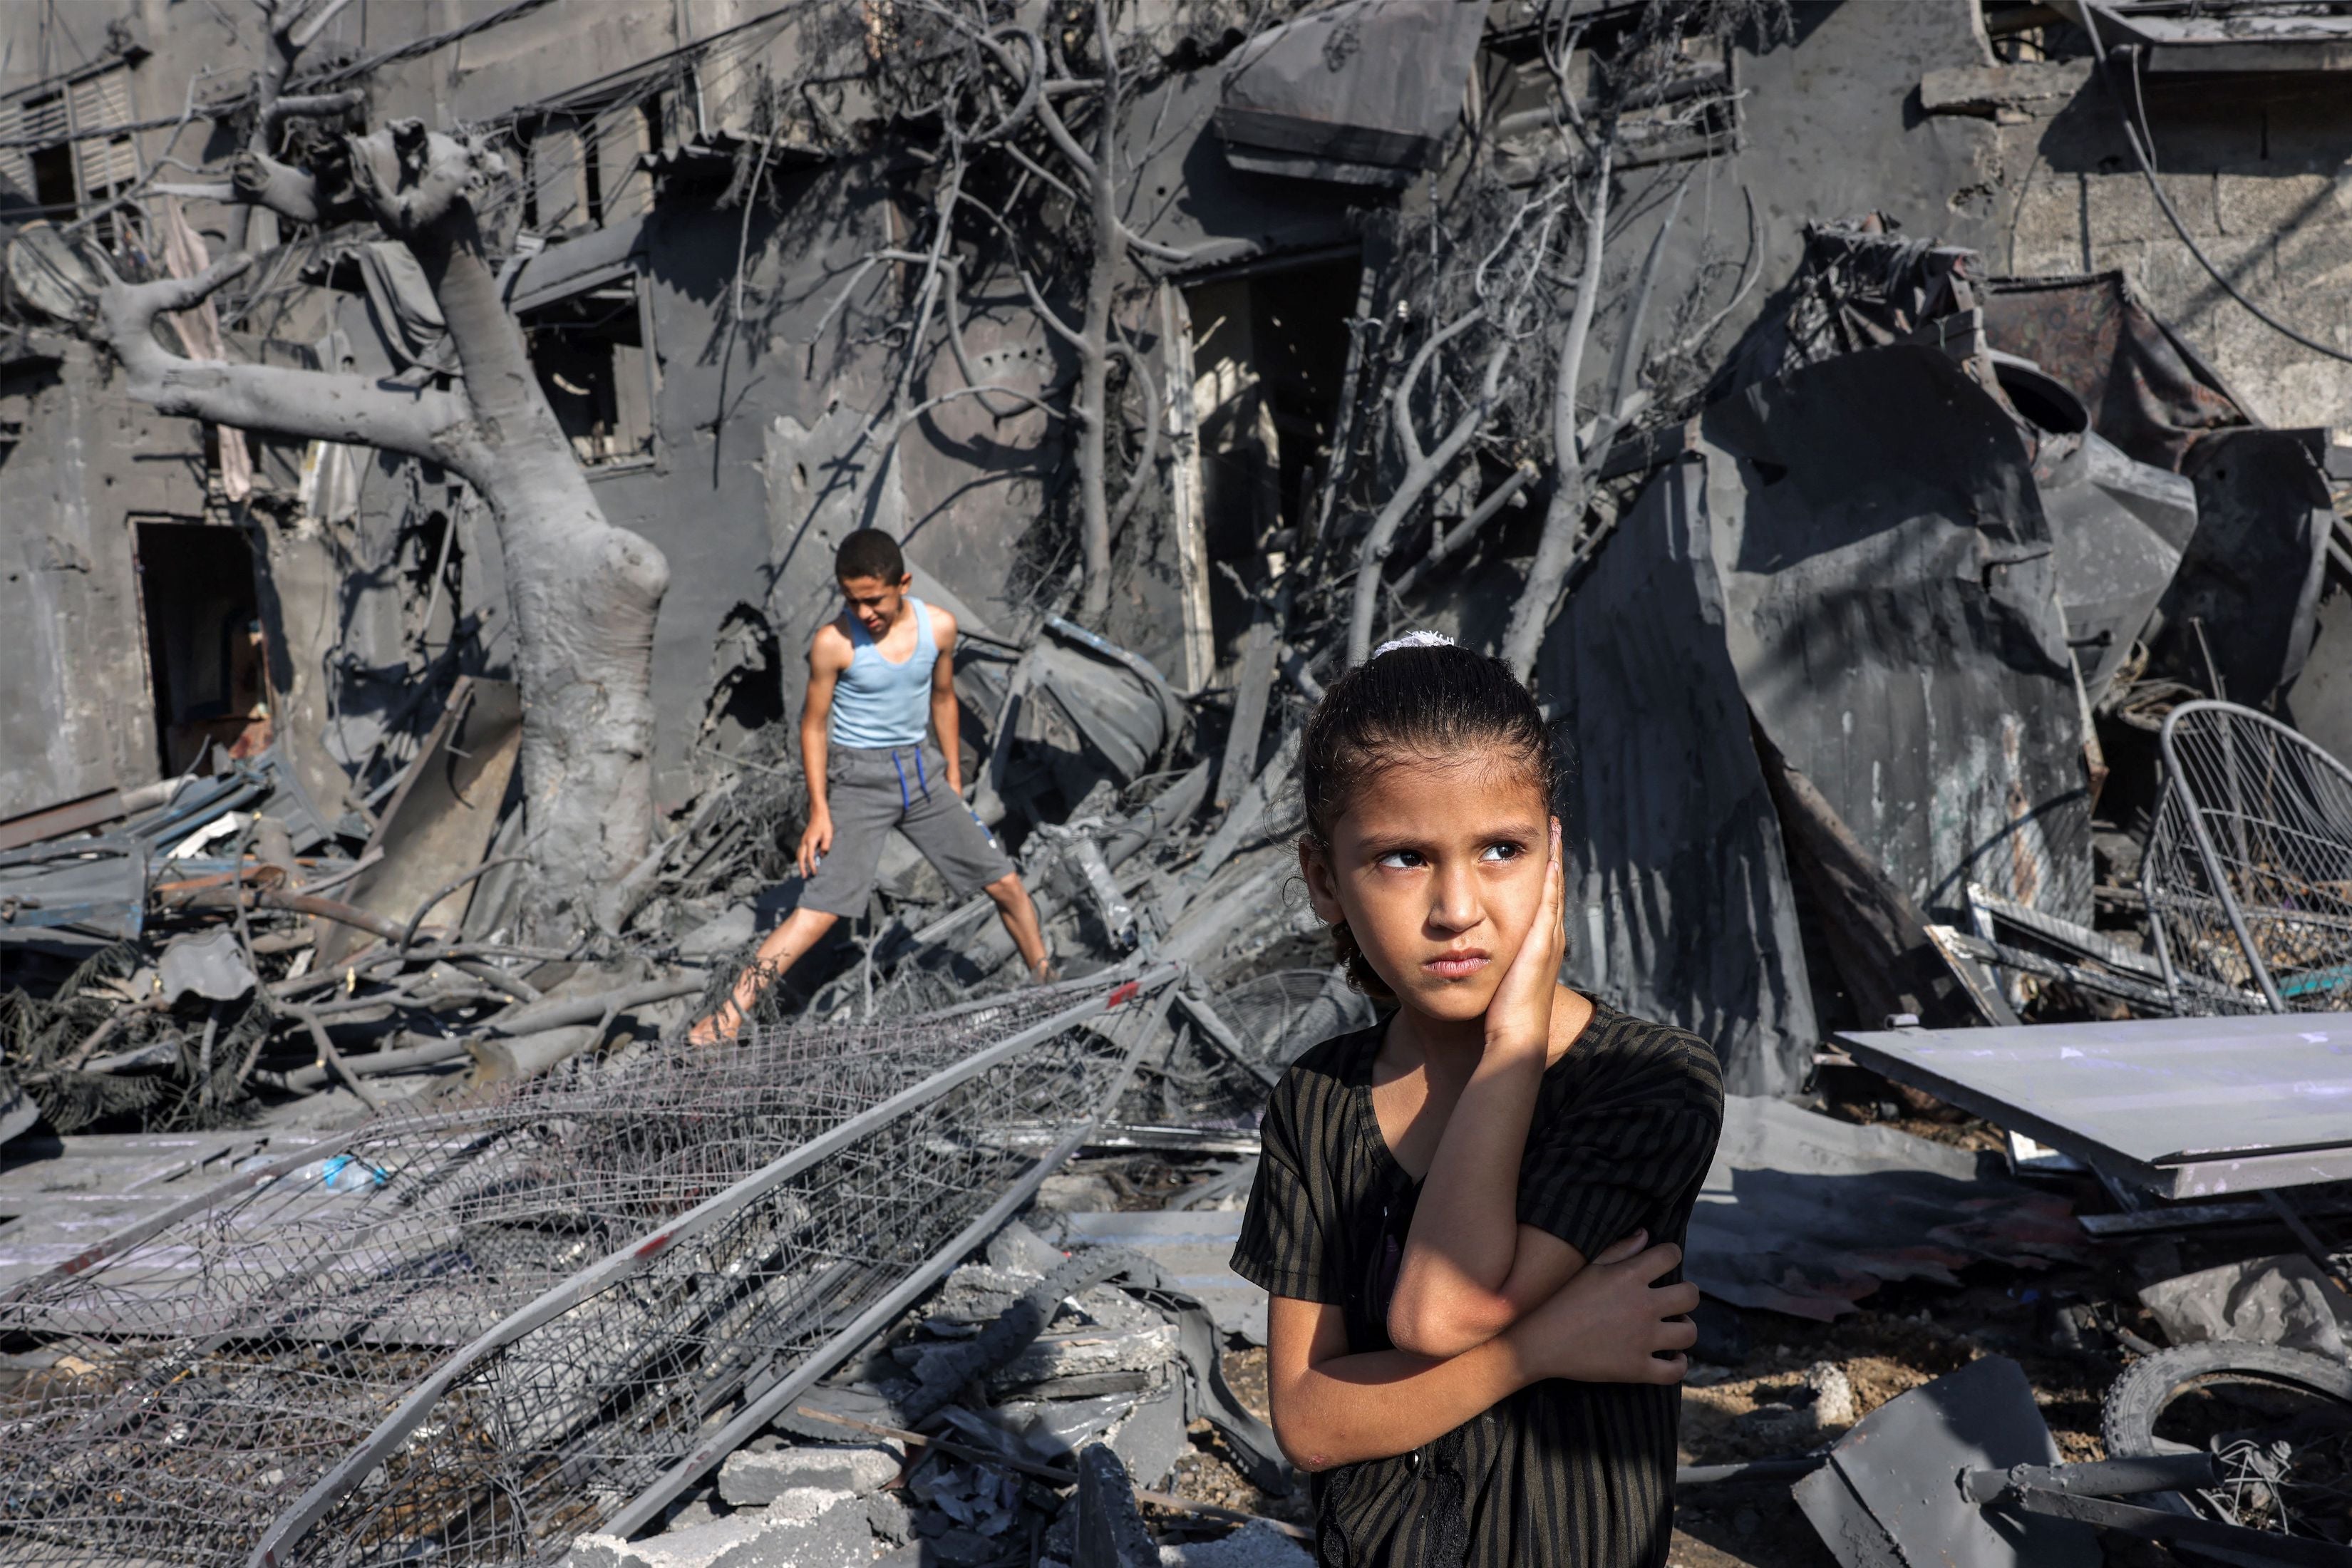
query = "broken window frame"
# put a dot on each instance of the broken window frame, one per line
(1520, 91)
(69, 106)
(651, 456)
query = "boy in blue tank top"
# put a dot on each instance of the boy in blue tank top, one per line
(879, 675)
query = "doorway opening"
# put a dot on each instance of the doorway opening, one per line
(1269, 351)
(204, 657)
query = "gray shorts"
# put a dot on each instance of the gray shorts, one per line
(872, 791)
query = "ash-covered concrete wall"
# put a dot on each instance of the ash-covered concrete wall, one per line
(2258, 166)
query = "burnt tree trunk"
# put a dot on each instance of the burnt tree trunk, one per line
(584, 593)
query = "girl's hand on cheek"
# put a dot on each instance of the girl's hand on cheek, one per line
(1518, 1019)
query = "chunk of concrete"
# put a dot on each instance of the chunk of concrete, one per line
(979, 1292)
(1017, 1246)
(887, 1514)
(1075, 1353)
(1256, 1544)
(1150, 1437)
(748, 1478)
(804, 1528)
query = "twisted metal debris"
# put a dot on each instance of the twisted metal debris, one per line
(473, 1334)
(2249, 869)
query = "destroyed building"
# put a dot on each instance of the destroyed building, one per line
(1881, 431)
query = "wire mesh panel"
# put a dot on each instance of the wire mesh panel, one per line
(522, 1312)
(1285, 1012)
(2249, 868)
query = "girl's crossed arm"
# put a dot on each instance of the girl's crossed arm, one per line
(1331, 1407)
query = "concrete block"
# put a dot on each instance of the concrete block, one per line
(1067, 1191)
(1254, 1545)
(2040, 89)
(748, 1478)
(2253, 205)
(2119, 207)
(887, 1516)
(1017, 1247)
(978, 1292)
(2048, 230)
(1109, 1308)
(804, 1529)
(1075, 1353)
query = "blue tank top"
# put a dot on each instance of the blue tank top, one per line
(877, 703)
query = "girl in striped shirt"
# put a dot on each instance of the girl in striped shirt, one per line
(1468, 1216)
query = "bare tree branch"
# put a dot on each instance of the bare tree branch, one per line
(313, 106)
(1423, 469)
(1146, 462)
(306, 404)
(1532, 613)
(262, 180)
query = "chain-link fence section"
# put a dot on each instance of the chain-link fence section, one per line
(467, 1336)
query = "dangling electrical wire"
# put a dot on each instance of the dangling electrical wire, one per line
(2142, 139)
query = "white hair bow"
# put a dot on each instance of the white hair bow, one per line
(1414, 639)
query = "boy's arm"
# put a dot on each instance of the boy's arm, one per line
(1331, 1407)
(1470, 1269)
(829, 655)
(945, 719)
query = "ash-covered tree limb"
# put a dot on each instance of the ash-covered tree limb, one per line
(1423, 468)
(306, 404)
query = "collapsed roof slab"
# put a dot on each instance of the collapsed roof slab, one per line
(2184, 1106)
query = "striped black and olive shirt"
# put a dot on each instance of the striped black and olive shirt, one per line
(1565, 1473)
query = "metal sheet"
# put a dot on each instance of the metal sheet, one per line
(2119, 527)
(2187, 1107)
(1894, 619)
(2245, 602)
(1364, 93)
(437, 825)
(92, 887)
(1806, 1214)
(2146, 387)
(1889, 1481)
(1686, 912)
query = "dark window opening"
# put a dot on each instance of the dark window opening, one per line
(1269, 351)
(55, 161)
(205, 657)
(591, 176)
(53, 183)
(590, 352)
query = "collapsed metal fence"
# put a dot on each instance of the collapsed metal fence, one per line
(2248, 875)
(470, 1336)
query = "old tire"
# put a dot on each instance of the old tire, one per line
(2322, 1387)
(2140, 1395)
